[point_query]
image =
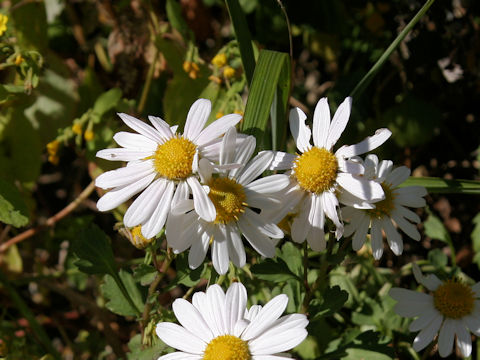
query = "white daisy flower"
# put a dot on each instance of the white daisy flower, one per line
(380, 215)
(318, 173)
(218, 326)
(451, 310)
(162, 164)
(238, 197)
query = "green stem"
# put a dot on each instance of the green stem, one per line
(375, 68)
(148, 83)
(29, 315)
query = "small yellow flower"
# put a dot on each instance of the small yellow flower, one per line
(228, 72)
(3, 23)
(219, 115)
(89, 135)
(54, 159)
(135, 236)
(19, 59)
(187, 65)
(52, 147)
(191, 68)
(219, 60)
(239, 112)
(77, 128)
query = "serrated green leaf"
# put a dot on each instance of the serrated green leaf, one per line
(107, 101)
(273, 270)
(271, 67)
(13, 210)
(444, 186)
(243, 36)
(94, 253)
(118, 303)
(292, 257)
(333, 300)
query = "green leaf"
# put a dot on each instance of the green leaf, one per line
(355, 354)
(144, 274)
(175, 17)
(94, 253)
(437, 185)
(381, 61)
(476, 233)
(13, 210)
(118, 303)
(270, 69)
(438, 258)
(140, 352)
(185, 275)
(31, 25)
(333, 300)
(243, 36)
(107, 101)
(278, 112)
(435, 229)
(273, 270)
(292, 257)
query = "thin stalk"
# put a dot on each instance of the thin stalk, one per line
(148, 83)
(375, 68)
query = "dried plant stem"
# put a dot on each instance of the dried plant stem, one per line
(52, 220)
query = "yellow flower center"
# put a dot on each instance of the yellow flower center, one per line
(137, 239)
(228, 197)
(385, 207)
(227, 347)
(316, 170)
(173, 159)
(454, 299)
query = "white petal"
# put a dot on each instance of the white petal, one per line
(316, 218)
(227, 151)
(361, 187)
(406, 295)
(473, 323)
(301, 225)
(196, 118)
(321, 123)
(424, 319)
(282, 161)
(393, 237)
(122, 154)
(162, 127)
(408, 214)
(476, 289)
(153, 225)
(119, 195)
(446, 337)
(464, 340)
(407, 227)
(350, 166)
(236, 250)
(203, 205)
(411, 308)
(431, 282)
(398, 176)
(330, 207)
(339, 122)
(300, 132)
(411, 196)
(135, 141)
(125, 175)
(266, 317)
(220, 257)
(205, 170)
(275, 343)
(217, 128)
(366, 145)
(144, 205)
(200, 243)
(191, 319)
(177, 337)
(255, 168)
(384, 168)
(260, 242)
(269, 184)
(426, 336)
(361, 233)
(257, 222)
(182, 193)
(180, 356)
(142, 128)
(216, 305)
(236, 302)
(243, 154)
(182, 231)
(377, 239)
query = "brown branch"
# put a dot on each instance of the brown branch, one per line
(52, 220)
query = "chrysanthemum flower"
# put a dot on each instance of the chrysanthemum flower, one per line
(392, 208)
(162, 164)
(218, 326)
(451, 310)
(238, 198)
(318, 172)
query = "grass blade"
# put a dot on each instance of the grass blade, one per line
(444, 186)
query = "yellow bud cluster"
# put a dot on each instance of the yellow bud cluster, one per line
(191, 69)
(52, 149)
(3, 23)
